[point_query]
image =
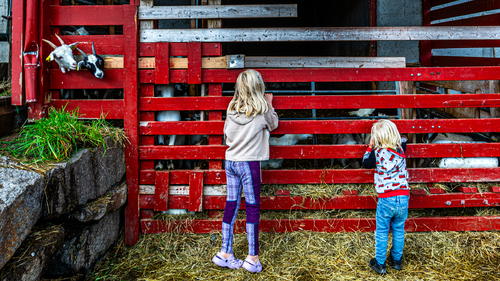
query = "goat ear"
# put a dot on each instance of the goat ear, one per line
(73, 45)
(50, 57)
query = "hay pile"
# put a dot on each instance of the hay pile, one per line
(305, 256)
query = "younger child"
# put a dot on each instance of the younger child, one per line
(250, 117)
(386, 153)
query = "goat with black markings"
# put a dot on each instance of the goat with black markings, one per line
(93, 62)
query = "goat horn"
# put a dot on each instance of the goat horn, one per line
(60, 40)
(93, 49)
(50, 43)
(81, 52)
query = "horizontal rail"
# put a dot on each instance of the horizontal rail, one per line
(350, 202)
(180, 49)
(92, 109)
(272, 62)
(218, 12)
(338, 74)
(113, 79)
(418, 126)
(217, 152)
(104, 44)
(465, 44)
(462, 9)
(327, 102)
(337, 176)
(422, 224)
(464, 61)
(87, 15)
(479, 22)
(411, 33)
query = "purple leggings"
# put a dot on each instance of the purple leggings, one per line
(246, 175)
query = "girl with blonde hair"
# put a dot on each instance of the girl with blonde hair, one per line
(250, 118)
(386, 153)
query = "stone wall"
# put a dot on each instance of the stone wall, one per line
(60, 222)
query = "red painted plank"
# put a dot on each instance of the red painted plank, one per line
(147, 214)
(325, 102)
(131, 120)
(180, 49)
(217, 152)
(194, 63)
(464, 61)
(162, 184)
(113, 79)
(104, 44)
(162, 63)
(425, 45)
(147, 90)
(422, 224)
(111, 109)
(350, 192)
(419, 126)
(490, 20)
(88, 15)
(466, 8)
(495, 188)
(45, 50)
(215, 90)
(466, 189)
(441, 2)
(418, 192)
(345, 202)
(18, 97)
(282, 192)
(336, 176)
(465, 44)
(196, 191)
(339, 74)
(436, 190)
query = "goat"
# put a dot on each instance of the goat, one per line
(167, 91)
(467, 162)
(348, 139)
(77, 31)
(63, 55)
(93, 62)
(284, 140)
(362, 112)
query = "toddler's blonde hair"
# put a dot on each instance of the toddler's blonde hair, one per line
(249, 94)
(385, 134)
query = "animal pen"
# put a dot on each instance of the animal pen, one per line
(139, 56)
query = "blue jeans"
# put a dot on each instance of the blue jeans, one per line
(391, 214)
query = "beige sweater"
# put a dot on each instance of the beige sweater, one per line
(248, 138)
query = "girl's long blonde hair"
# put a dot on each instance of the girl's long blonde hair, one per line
(249, 94)
(385, 134)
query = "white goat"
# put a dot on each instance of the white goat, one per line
(284, 140)
(362, 112)
(167, 91)
(348, 139)
(63, 55)
(467, 162)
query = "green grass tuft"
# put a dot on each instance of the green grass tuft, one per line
(5, 88)
(57, 137)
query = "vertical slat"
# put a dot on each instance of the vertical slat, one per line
(162, 63)
(131, 120)
(215, 90)
(196, 191)
(162, 183)
(425, 46)
(194, 63)
(146, 24)
(17, 52)
(45, 49)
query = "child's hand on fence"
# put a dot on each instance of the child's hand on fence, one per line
(371, 143)
(404, 138)
(269, 98)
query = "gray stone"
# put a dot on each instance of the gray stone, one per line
(109, 166)
(69, 185)
(35, 253)
(83, 246)
(96, 209)
(20, 208)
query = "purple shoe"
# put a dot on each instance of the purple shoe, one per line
(251, 266)
(230, 262)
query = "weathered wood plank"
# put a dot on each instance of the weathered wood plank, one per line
(410, 33)
(146, 24)
(272, 62)
(217, 12)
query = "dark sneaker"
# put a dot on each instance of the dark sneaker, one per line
(394, 263)
(379, 268)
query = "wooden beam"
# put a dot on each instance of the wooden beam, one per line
(272, 62)
(411, 33)
(146, 4)
(217, 12)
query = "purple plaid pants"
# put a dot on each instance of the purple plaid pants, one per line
(240, 175)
